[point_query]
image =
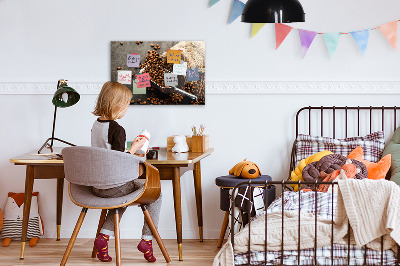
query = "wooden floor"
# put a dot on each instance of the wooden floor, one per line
(50, 252)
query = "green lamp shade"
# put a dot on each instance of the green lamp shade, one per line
(65, 96)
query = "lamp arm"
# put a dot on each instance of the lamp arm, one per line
(54, 126)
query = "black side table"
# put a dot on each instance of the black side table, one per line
(226, 183)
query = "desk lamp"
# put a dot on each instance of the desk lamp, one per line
(64, 96)
(272, 11)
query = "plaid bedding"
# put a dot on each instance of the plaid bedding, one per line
(323, 207)
(372, 145)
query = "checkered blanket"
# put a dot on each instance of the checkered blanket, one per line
(324, 206)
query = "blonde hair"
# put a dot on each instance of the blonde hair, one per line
(112, 99)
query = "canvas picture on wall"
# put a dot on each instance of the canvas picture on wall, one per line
(160, 72)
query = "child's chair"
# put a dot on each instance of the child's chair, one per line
(85, 167)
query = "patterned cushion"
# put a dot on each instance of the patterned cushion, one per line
(372, 144)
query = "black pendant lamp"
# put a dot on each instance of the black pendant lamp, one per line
(273, 11)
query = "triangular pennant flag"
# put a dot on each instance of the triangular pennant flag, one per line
(237, 9)
(281, 31)
(389, 30)
(255, 28)
(332, 41)
(306, 39)
(361, 37)
(213, 2)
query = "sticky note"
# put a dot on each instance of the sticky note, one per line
(180, 69)
(136, 90)
(144, 80)
(192, 74)
(124, 76)
(170, 79)
(132, 60)
(174, 56)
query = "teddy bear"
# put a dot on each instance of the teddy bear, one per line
(13, 215)
(180, 144)
(245, 169)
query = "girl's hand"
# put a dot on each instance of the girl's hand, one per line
(137, 144)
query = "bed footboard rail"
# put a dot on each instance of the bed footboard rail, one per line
(282, 257)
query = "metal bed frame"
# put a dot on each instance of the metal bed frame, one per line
(283, 184)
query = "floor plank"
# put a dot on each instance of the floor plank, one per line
(49, 252)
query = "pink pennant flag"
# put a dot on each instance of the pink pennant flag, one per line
(281, 31)
(389, 30)
(306, 39)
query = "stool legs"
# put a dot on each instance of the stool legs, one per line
(117, 238)
(223, 229)
(156, 235)
(73, 237)
(101, 222)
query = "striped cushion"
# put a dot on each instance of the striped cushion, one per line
(372, 145)
(13, 228)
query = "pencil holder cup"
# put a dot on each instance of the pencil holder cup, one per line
(200, 143)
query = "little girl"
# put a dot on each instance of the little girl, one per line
(112, 103)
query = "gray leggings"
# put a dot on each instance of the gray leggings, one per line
(154, 208)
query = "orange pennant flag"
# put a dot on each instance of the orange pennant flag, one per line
(281, 31)
(389, 30)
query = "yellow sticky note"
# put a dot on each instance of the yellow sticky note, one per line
(174, 56)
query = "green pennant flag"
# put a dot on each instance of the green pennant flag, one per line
(256, 27)
(213, 2)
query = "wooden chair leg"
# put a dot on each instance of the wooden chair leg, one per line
(223, 229)
(154, 230)
(101, 222)
(73, 237)
(117, 238)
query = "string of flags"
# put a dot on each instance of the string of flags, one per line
(361, 37)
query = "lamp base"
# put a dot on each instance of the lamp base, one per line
(50, 146)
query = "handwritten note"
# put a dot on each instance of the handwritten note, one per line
(132, 60)
(144, 80)
(174, 56)
(180, 69)
(170, 79)
(124, 76)
(136, 90)
(192, 74)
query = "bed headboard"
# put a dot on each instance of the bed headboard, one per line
(344, 121)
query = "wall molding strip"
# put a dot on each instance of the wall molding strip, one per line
(231, 87)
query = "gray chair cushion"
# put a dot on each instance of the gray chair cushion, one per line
(99, 167)
(84, 196)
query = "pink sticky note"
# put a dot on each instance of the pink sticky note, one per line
(144, 80)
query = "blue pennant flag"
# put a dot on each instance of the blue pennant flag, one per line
(332, 41)
(213, 2)
(237, 9)
(361, 37)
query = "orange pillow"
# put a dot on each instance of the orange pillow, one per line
(375, 170)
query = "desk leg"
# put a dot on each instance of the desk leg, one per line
(176, 182)
(60, 190)
(27, 206)
(199, 204)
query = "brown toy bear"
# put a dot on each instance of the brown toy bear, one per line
(245, 169)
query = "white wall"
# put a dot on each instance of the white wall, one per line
(42, 41)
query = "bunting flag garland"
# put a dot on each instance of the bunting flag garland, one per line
(389, 30)
(213, 2)
(361, 37)
(281, 31)
(332, 41)
(255, 28)
(306, 39)
(237, 9)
